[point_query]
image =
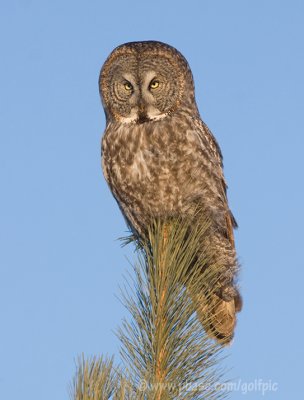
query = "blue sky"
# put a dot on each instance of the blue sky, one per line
(60, 262)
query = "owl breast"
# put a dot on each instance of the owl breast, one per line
(154, 170)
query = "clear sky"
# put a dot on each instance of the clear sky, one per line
(60, 262)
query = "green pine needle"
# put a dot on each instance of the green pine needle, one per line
(166, 353)
(164, 346)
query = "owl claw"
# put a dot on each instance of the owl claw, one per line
(229, 293)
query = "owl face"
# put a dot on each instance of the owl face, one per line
(144, 81)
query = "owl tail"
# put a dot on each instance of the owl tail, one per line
(217, 316)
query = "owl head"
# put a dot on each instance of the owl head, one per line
(145, 81)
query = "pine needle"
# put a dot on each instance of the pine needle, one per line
(164, 345)
(165, 351)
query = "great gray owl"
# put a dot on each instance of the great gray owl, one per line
(161, 160)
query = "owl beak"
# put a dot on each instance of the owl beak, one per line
(142, 113)
(141, 108)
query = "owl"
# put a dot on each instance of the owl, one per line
(160, 160)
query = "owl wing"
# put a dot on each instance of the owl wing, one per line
(209, 144)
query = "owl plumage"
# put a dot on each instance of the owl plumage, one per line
(161, 161)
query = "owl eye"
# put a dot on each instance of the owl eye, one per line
(128, 86)
(154, 84)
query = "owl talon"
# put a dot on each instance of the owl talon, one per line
(229, 293)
